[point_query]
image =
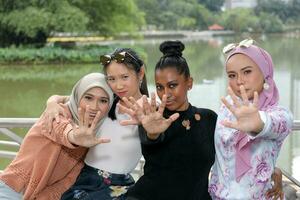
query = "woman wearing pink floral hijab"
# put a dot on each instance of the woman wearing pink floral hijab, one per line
(251, 126)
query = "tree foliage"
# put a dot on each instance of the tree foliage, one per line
(32, 21)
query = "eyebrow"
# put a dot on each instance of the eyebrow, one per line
(102, 97)
(244, 68)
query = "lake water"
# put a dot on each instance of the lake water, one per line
(25, 89)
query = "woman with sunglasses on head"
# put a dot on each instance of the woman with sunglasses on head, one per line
(251, 126)
(106, 175)
(47, 164)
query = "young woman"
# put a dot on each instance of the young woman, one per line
(177, 143)
(251, 126)
(48, 164)
(106, 175)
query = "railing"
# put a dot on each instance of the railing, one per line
(8, 123)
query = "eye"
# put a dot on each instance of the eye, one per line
(158, 88)
(173, 85)
(110, 79)
(87, 97)
(104, 101)
(231, 76)
(125, 77)
(247, 72)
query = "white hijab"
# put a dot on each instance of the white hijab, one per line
(81, 87)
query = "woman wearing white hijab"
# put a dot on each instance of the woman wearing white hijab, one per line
(48, 164)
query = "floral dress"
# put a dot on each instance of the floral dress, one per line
(265, 148)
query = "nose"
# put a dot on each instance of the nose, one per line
(94, 105)
(240, 80)
(167, 92)
(119, 85)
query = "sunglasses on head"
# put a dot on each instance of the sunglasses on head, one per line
(119, 57)
(243, 44)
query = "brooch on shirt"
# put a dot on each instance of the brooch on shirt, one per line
(187, 123)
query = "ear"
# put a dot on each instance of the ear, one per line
(190, 83)
(141, 73)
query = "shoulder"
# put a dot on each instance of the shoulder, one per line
(206, 112)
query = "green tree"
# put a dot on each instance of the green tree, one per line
(111, 17)
(31, 21)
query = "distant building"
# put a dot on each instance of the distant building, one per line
(215, 27)
(230, 4)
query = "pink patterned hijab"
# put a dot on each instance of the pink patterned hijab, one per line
(267, 98)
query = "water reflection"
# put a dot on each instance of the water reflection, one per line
(24, 90)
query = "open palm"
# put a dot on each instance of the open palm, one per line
(148, 115)
(246, 113)
(85, 133)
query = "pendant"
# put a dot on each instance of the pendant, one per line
(186, 123)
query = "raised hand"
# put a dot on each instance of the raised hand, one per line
(84, 134)
(52, 112)
(148, 115)
(246, 112)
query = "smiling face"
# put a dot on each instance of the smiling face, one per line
(241, 70)
(97, 100)
(168, 81)
(123, 81)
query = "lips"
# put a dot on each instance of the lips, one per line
(121, 94)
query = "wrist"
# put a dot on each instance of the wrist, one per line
(71, 139)
(153, 136)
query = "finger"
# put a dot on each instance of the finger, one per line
(244, 95)
(127, 103)
(74, 126)
(162, 106)
(230, 124)
(95, 122)
(281, 195)
(226, 103)
(81, 116)
(255, 99)
(153, 102)
(129, 122)
(86, 116)
(233, 97)
(146, 105)
(103, 140)
(62, 111)
(172, 118)
(136, 107)
(56, 117)
(125, 109)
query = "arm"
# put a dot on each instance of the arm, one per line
(145, 139)
(277, 123)
(276, 191)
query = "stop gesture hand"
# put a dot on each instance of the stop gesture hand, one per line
(148, 115)
(84, 134)
(246, 112)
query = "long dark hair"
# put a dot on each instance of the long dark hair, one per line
(172, 57)
(131, 63)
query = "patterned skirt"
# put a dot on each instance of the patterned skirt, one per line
(93, 183)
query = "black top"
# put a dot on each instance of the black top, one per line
(179, 161)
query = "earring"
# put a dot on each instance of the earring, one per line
(266, 86)
(141, 81)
